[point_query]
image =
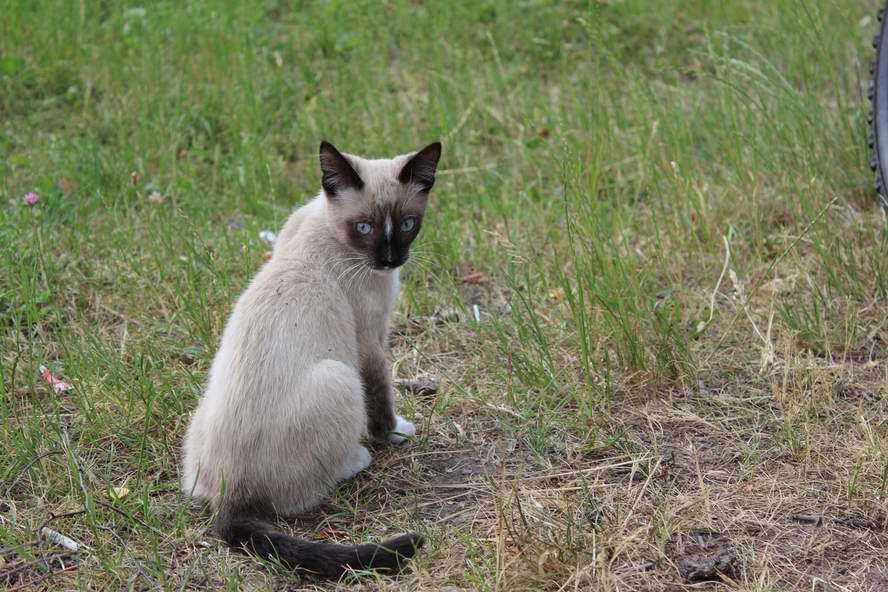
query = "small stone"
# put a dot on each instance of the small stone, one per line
(448, 315)
(708, 567)
(424, 386)
(192, 353)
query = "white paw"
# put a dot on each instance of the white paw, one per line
(358, 461)
(403, 430)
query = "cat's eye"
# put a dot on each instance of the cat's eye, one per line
(364, 228)
(408, 224)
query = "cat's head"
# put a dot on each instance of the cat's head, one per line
(376, 206)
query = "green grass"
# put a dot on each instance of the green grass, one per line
(662, 209)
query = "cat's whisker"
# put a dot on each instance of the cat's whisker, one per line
(352, 280)
(346, 271)
(351, 273)
(421, 253)
(421, 261)
(358, 277)
(366, 275)
(342, 273)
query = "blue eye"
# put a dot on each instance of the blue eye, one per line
(363, 228)
(408, 224)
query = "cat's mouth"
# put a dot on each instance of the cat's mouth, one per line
(388, 265)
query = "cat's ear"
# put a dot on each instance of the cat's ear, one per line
(337, 173)
(420, 169)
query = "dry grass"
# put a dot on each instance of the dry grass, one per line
(678, 376)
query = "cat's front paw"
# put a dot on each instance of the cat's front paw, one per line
(357, 461)
(403, 430)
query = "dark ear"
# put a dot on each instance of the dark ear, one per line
(420, 169)
(336, 172)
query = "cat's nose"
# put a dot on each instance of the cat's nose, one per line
(388, 263)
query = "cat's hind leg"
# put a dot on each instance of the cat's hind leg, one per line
(316, 441)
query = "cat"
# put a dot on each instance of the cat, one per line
(301, 376)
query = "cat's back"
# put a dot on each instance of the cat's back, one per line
(298, 281)
(295, 306)
(300, 219)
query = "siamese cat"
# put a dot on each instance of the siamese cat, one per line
(301, 376)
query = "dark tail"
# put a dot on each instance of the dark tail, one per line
(259, 536)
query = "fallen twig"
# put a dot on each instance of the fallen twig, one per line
(126, 549)
(53, 516)
(129, 516)
(18, 548)
(66, 440)
(33, 585)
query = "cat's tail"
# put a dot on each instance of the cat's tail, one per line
(246, 530)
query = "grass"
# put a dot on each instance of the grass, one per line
(662, 210)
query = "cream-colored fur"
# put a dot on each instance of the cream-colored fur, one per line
(283, 415)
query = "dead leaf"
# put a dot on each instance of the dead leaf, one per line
(476, 277)
(119, 492)
(331, 533)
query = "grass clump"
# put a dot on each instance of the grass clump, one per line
(659, 212)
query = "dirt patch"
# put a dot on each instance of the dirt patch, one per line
(872, 351)
(690, 453)
(832, 550)
(851, 392)
(877, 578)
(445, 486)
(457, 467)
(453, 485)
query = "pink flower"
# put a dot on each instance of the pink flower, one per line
(30, 198)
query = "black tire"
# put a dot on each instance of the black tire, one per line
(878, 116)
